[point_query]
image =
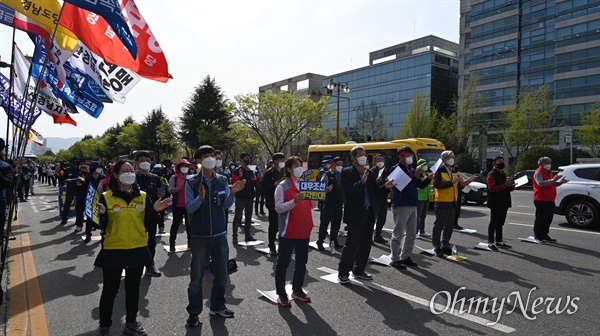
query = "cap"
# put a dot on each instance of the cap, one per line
(326, 158)
(94, 165)
(421, 162)
(182, 162)
(157, 166)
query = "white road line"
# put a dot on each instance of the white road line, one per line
(560, 229)
(332, 276)
(35, 210)
(524, 206)
(488, 210)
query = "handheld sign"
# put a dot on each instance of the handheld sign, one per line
(91, 205)
(313, 190)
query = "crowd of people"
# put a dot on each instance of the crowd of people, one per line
(200, 190)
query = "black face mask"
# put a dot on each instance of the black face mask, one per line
(500, 165)
(246, 162)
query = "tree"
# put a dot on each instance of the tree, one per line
(130, 136)
(527, 122)
(589, 134)
(370, 122)
(156, 134)
(417, 121)
(165, 133)
(205, 118)
(49, 152)
(280, 119)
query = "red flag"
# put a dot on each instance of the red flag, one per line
(99, 37)
(59, 119)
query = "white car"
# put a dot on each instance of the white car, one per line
(579, 199)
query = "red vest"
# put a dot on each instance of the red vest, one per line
(548, 193)
(298, 223)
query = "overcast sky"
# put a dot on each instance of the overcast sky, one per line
(248, 43)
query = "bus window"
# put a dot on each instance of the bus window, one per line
(431, 155)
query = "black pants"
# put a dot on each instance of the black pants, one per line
(260, 198)
(79, 197)
(160, 216)
(51, 180)
(497, 219)
(152, 238)
(242, 205)
(286, 247)
(457, 213)
(179, 215)
(331, 213)
(544, 213)
(380, 211)
(358, 244)
(443, 226)
(273, 226)
(23, 189)
(110, 288)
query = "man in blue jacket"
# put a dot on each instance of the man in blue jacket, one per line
(207, 195)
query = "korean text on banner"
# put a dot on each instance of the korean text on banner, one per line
(313, 190)
(92, 210)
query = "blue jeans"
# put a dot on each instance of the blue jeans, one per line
(203, 250)
(286, 247)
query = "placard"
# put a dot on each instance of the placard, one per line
(92, 211)
(313, 190)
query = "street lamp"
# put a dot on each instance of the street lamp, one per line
(339, 86)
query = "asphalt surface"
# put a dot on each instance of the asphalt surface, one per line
(395, 303)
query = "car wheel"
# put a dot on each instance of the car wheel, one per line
(582, 214)
(463, 198)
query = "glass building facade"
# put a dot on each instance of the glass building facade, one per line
(384, 89)
(513, 45)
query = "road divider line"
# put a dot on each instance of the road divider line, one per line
(488, 210)
(332, 276)
(560, 229)
(18, 317)
(37, 314)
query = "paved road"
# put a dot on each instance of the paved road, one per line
(395, 303)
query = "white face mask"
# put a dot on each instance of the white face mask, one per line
(145, 165)
(281, 165)
(450, 162)
(409, 160)
(339, 168)
(380, 164)
(219, 163)
(208, 163)
(99, 170)
(127, 178)
(184, 170)
(298, 171)
(425, 168)
(548, 166)
(362, 160)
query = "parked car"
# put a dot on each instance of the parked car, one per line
(579, 199)
(474, 192)
(529, 174)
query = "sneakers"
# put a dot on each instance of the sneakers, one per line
(283, 300)
(344, 279)
(192, 321)
(320, 246)
(300, 295)
(503, 244)
(439, 252)
(418, 236)
(493, 247)
(363, 276)
(273, 252)
(152, 271)
(78, 228)
(409, 262)
(250, 239)
(397, 264)
(458, 227)
(380, 239)
(226, 313)
(88, 238)
(64, 221)
(134, 328)
(161, 230)
(104, 331)
(548, 238)
(447, 250)
(425, 234)
(172, 248)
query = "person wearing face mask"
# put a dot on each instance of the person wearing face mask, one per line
(75, 191)
(423, 204)
(125, 215)
(208, 195)
(499, 200)
(177, 189)
(244, 199)
(358, 185)
(544, 193)
(447, 184)
(334, 202)
(155, 189)
(270, 181)
(94, 177)
(158, 171)
(219, 169)
(404, 208)
(380, 197)
(295, 227)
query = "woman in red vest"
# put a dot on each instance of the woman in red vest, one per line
(544, 193)
(295, 227)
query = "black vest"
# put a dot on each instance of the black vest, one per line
(336, 195)
(500, 199)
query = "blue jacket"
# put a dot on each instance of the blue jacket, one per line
(207, 217)
(409, 196)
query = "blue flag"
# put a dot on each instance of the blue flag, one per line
(110, 10)
(74, 91)
(6, 15)
(14, 113)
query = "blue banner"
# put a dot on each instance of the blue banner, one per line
(313, 190)
(6, 15)
(74, 90)
(92, 211)
(62, 196)
(110, 10)
(14, 114)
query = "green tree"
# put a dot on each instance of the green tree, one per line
(589, 134)
(166, 135)
(370, 121)
(417, 121)
(528, 120)
(280, 119)
(130, 137)
(156, 134)
(206, 117)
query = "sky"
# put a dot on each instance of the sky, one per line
(245, 44)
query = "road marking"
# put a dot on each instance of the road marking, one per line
(488, 210)
(332, 277)
(524, 206)
(34, 208)
(560, 229)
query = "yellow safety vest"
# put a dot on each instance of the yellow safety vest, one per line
(447, 194)
(125, 229)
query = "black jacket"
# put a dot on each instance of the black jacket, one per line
(381, 192)
(336, 195)
(268, 185)
(149, 183)
(354, 193)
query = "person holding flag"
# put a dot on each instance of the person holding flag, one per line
(93, 178)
